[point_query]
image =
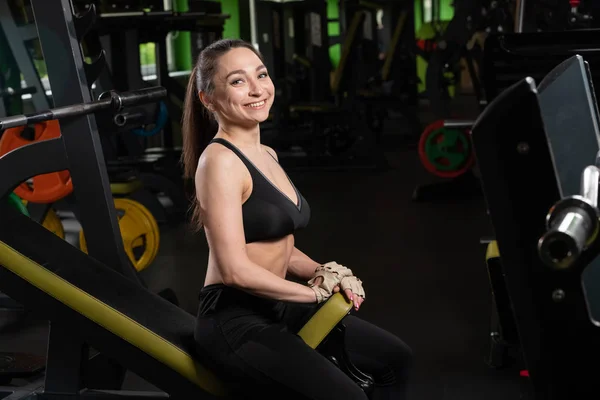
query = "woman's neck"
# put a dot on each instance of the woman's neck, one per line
(242, 137)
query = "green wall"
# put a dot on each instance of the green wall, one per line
(446, 12)
(231, 30)
(333, 29)
(182, 43)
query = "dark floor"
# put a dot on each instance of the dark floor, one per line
(421, 263)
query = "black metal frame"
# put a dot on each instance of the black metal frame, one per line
(125, 33)
(364, 61)
(63, 56)
(404, 70)
(296, 19)
(79, 150)
(509, 57)
(559, 342)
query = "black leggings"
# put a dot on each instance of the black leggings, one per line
(251, 343)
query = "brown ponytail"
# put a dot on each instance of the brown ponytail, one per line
(198, 127)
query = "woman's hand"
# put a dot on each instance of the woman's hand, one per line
(332, 277)
(353, 297)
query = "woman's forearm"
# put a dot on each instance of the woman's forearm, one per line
(258, 281)
(301, 265)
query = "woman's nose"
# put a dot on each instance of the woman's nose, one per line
(256, 88)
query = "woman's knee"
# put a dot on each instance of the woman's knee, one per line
(381, 346)
(401, 354)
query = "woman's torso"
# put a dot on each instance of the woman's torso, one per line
(273, 209)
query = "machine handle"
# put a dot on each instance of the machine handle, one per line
(572, 224)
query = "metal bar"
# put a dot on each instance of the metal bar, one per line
(64, 62)
(519, 16)
(572, 222)
(589, 184)
(162, 75)
(107, 100)
(253, 28)
(460, 124)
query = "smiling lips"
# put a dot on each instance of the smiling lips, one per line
(257, 105)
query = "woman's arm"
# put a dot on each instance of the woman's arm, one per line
(220, 187)
(301, 265)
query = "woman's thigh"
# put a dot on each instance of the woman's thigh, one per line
(381, 354)
(270, 361)
(364, 341)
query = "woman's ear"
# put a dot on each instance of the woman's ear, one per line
(205, 99)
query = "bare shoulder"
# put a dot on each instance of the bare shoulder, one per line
(216, 156)
(271, 151)
(218, 163)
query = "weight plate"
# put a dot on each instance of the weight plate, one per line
(45, 188)
(139, 230)
(161, 120)
(53, 223)
(16, 202)
(445, 152)
(153, 224)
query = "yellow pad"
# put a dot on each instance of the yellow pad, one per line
(325, 319)
(109, 318)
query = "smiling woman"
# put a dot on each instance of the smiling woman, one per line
(249, 208)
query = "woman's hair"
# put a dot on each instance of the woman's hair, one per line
(197, 126)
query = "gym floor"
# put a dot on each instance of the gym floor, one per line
(422, 265)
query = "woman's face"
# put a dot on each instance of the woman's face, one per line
(243, 91)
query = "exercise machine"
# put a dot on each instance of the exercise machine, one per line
(572, 134)
(150, 154)
(555, 310)
(19, 21)
(507, 58)
(270, 36)
(333, 134)
(117, 37)
(386, 86)
(306, 49)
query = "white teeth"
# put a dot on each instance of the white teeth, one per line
(259, 104)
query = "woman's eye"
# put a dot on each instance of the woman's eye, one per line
(263, 75)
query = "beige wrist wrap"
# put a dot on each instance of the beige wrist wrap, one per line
(332, 274)
(354, 284)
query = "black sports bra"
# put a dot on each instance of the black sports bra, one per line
(269, 213)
